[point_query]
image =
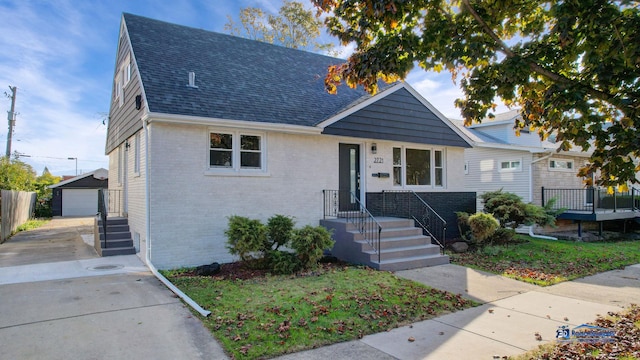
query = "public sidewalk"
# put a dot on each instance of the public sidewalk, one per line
(512, 320)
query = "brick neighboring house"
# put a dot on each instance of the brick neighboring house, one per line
(204, 125)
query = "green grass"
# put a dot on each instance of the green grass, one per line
(32, 224)
(274, 315)
(547, 262)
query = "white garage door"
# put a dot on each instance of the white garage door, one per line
(79, 202)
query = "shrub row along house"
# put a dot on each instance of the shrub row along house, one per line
(204, 126)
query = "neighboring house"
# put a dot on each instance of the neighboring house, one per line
(204, 125)
(78, 196)
(520, 164)
(525, 165)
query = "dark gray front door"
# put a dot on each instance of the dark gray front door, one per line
(349, 176)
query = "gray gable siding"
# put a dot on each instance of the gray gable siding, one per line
(236, 78)
(124, 120)
(397, 117)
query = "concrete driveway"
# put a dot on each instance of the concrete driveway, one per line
(58, 300)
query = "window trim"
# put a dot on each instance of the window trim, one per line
(236, 151)
(567, 168)
(432, 171)
(510, 168)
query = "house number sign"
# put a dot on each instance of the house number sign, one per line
(378, 160)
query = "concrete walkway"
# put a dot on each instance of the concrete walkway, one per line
(82, 306)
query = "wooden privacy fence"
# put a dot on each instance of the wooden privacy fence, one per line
(16, 208)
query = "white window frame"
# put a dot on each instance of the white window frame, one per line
(511, 167)
(119, 93)
(125, 69)
(432, 162)
(235, 168)
(569, 165)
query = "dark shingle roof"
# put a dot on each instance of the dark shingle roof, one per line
(237, 78)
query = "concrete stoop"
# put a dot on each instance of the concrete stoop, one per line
(402, 245)
(118, 237)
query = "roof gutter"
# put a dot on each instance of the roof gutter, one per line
(150, 117)
(150, 265)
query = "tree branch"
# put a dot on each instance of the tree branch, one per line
(535, 67)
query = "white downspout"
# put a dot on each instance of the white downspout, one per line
(153, 269)
(530, 228)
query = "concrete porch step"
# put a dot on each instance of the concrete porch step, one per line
(412, 262)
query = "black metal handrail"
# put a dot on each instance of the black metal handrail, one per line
(102, 211)
(407, 204)
(346, 205)
(591, 199)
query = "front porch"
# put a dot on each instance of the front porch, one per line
(396, 230)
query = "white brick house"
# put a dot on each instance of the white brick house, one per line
(203, 126)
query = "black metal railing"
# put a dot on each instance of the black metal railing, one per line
(346, 205)
(591, 200)
(408, 205)
(102, 212)
(115, 203)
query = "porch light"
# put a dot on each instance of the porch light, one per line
(374, 148)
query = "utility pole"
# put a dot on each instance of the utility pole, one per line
(11, 117)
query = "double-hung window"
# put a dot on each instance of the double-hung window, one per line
(236, 151)
(418, 167)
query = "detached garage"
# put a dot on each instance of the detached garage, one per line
(78, 196)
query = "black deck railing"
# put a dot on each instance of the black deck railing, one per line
(345, 205)
(591, 200)
(408, 205)
(102, 212)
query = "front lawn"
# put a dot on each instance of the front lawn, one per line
(267, 316)
(547, 262)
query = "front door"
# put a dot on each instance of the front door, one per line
(349, 176)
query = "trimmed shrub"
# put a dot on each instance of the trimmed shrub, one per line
(482, 227)
(463, 226)
(503, 236)
(246, 237)
(309, 243)
(279, 231)
(283, 262)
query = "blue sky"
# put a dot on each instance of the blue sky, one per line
(60, 55)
